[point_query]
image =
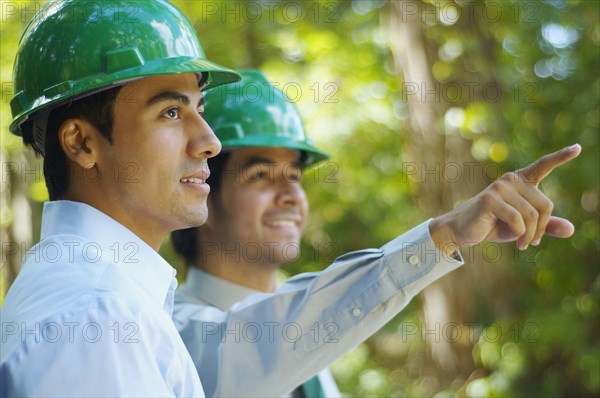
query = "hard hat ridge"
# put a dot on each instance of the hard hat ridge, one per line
(254, 113)
(72, 49)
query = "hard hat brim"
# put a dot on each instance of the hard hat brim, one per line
(311, 156)
(73, 90)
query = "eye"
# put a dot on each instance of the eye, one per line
(259, 175)
(295, 177)
(293, 174)
(172, 113)
(255, 174)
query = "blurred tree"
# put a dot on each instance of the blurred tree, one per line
(421, 104)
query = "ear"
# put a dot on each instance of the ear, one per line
(79, 140)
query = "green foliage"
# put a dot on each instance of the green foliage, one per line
(538, 62)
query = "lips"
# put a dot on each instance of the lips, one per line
(193, 180)
(282, 223)
(289, 220)
(197, 180)
(198, 177)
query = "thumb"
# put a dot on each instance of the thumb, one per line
(559, 227)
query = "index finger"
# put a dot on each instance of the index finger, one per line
(538, 170)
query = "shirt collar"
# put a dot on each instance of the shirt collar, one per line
(118, 245)
(214, 290)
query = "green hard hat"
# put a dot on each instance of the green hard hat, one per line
(71, 49)
(253, 113)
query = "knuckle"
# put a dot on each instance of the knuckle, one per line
(510, 177)
(530, 214)
(487, 197)
(547, 206)
(515, 219)
(499, 186)
(519, 227)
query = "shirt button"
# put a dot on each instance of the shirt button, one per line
(356, 312)
(414, 260)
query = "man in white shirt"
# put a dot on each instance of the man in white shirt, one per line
(248, 337)
(113, 102)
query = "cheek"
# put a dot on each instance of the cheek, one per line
(159, 158)
(303, 201)
(252, 205)
(245, 203)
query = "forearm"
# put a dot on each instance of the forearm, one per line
(268, 344)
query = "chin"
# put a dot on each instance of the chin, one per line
(191, 218)
(290, 251)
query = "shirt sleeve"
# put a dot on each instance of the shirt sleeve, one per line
(104, 350)
(268, 344)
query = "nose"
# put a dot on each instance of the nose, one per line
(203, 142)
(290, 194)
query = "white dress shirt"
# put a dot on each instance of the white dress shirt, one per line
(216, 292)
(267, 344)
(90, 314)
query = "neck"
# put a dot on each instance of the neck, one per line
(152, 236)
(257, 276)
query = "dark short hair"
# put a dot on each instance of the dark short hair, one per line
(97, 109)
(185, 241)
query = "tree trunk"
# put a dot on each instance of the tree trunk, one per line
(437, 158)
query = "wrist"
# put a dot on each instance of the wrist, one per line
(441, 235)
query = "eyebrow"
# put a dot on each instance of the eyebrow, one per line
(172, 95)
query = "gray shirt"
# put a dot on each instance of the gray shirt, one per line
(245, 343)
